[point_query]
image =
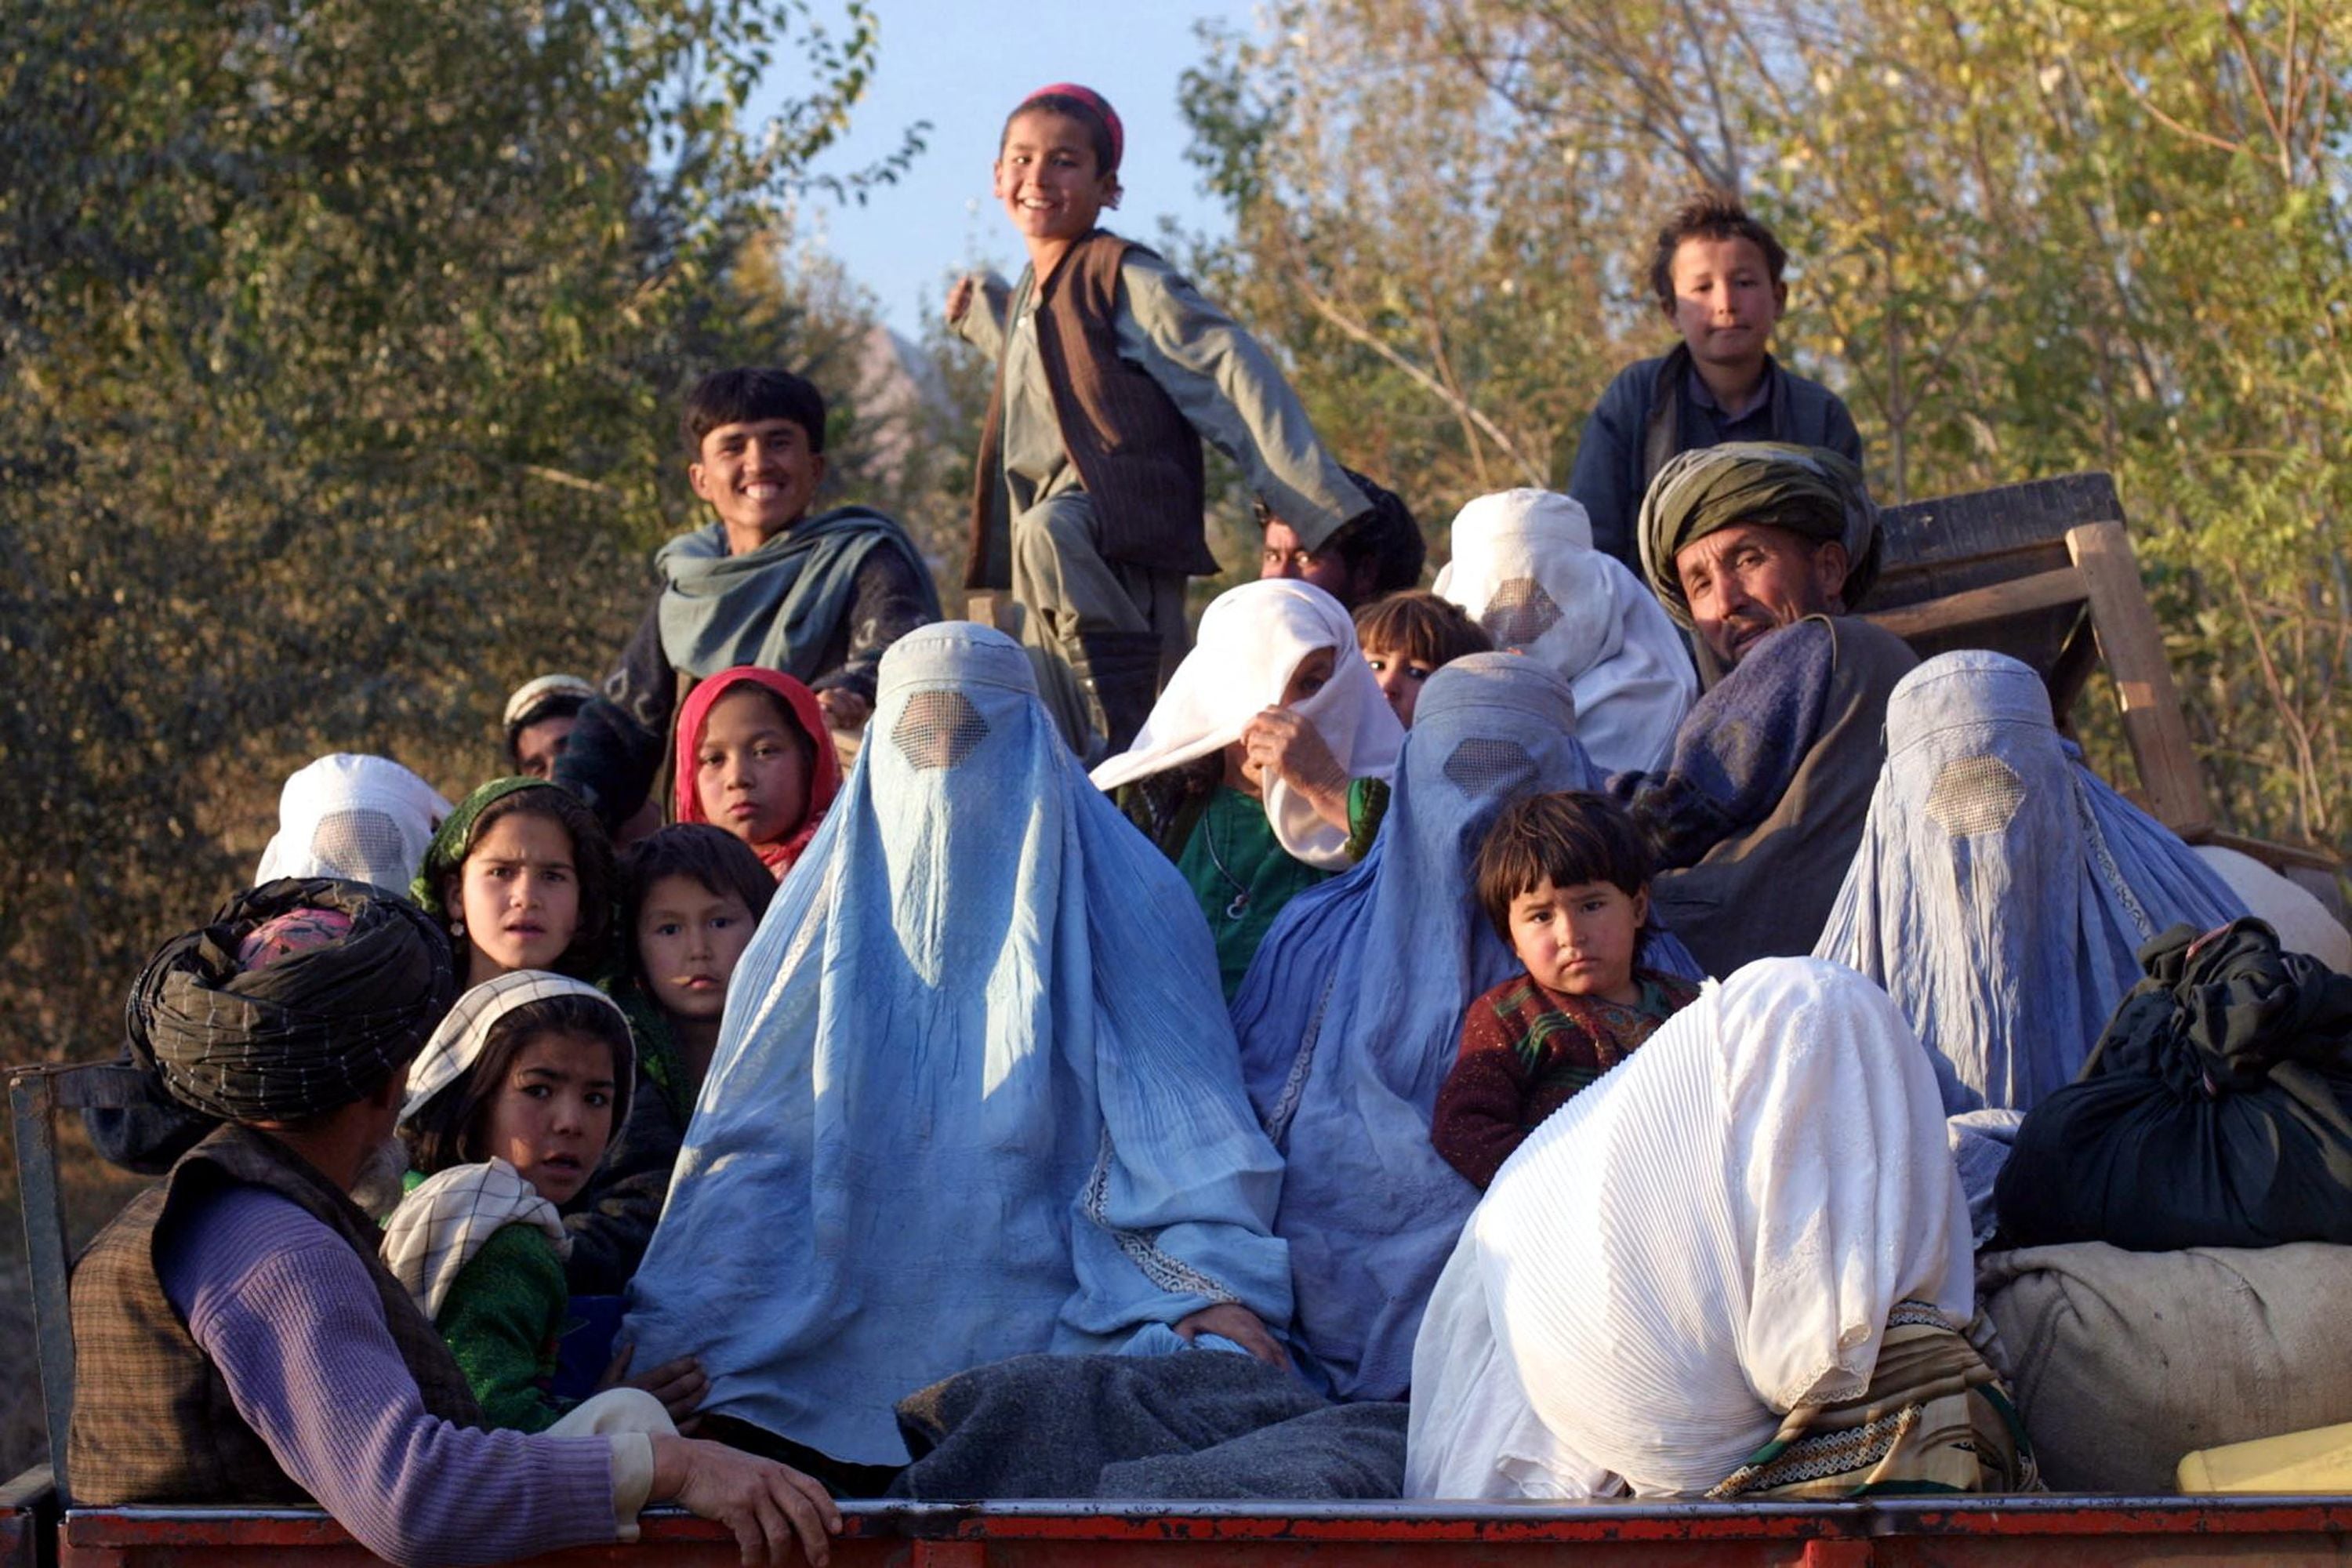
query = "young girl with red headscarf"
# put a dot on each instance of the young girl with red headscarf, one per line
(754, 758)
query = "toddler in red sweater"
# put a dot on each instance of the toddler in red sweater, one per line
(1565, 879)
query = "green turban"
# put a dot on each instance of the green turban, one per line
(1772, 483)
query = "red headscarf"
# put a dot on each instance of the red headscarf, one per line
(824, 763)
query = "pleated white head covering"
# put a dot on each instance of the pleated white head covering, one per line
(1712, 1235)
(1525, 569)
(357, 818)
(1252, 640)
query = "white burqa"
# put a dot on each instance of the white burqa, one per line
(359, 818)
(1252, 640)
(1710, 1236)
(1525, 569)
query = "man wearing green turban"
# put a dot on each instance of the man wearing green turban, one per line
(1761, 549)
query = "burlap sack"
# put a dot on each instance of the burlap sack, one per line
(2122, 1362)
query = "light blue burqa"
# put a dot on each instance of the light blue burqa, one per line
(1351, 1014)
(2002, 889)
(975, 1095)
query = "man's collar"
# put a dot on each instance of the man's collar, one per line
(1696, 389)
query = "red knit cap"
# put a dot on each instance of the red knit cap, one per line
(1094, 102)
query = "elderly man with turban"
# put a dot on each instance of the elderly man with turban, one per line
(1761, 549)
(237, 1339)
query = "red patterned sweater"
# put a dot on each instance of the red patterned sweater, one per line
(1526, 1051)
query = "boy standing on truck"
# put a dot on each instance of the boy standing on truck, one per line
(1717, 274)
(1088, 493)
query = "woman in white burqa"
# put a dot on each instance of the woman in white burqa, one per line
(1736, 1265)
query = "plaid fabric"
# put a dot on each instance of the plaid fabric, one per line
(444, 1221)
(1935, 1418)
(153, 1421)
(460, 1039)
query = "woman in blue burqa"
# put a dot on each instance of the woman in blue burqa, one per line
(2000, 895)
(975, 1095)
(1351, 1014)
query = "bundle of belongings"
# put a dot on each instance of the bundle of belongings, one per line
(2212, 1112)
(2196, 1177)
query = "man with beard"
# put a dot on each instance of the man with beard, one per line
(1762, 549)
(237, 1340)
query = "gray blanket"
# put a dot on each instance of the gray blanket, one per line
(1196, 1424)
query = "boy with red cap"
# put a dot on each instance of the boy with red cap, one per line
(1088, 493)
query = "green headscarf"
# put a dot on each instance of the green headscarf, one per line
(1804, 489)
(455, 836)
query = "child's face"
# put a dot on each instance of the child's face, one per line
(554, 1115)
(1048, 178)
(750, 772)
(1579, 940)
(760, 476)
(518, 895)
(689, 939)
(1724, 299)
(1400, 676)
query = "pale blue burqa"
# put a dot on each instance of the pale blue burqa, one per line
(975, 1095)
(2002, 889)
(1351, 1014)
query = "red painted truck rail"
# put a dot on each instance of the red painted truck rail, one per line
(1907, 1532)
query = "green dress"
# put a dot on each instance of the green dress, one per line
(501, 1319)
(1242, 875)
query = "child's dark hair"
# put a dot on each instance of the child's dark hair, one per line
(1386, 535)
(712, 857)
(1563, 839)
(1070, 107)
(446, 1130)
(1710, 215)
(592, 862)
(1423, 627)
(750, 392)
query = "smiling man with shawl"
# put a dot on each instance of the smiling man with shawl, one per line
(975, 1096)
(1349, 1017)
(1763, 549)
(1736, 1267)
(818, 596)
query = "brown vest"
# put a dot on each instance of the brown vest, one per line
(1767, 891)
(152, 1420)
(1136, 453)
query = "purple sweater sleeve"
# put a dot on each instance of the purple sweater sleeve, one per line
(292, 1320)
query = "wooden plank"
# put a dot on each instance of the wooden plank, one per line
(2277, 857)
(994, 608)
(2133, 648)
(2009, 519)
(32, 1100)
(2019, 596)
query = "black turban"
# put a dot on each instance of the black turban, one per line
(316, 1029)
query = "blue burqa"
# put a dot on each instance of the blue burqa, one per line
(975, 1095)
(2003, 890)
(1351, 1015)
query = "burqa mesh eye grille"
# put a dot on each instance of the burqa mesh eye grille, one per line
(1519, 613)
(938, 729)
(364, 845)
(1480, 767)
(1975, 795)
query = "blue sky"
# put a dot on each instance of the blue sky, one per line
(964, 66)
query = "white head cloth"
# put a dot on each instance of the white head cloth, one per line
(1251, 640)
(449, 1216)
(1525, 569)
(359, 818)
(1712, 1235)
(456, 1044)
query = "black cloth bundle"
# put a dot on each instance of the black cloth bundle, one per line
(2213, 1112)
(315, 1030)
(1193, 1424)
